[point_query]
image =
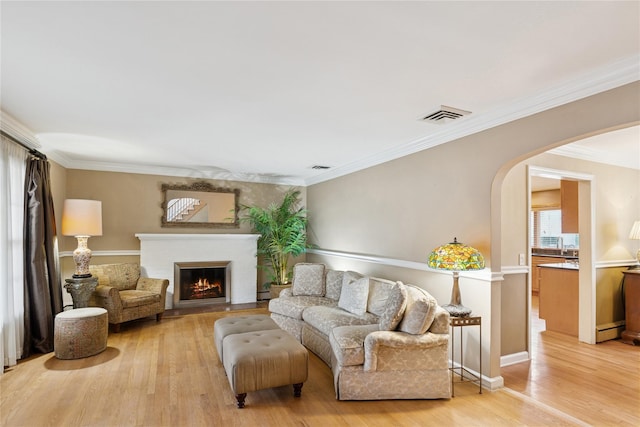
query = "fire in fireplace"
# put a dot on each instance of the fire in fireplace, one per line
(199, 283)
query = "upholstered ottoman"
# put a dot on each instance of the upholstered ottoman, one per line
(263, 359)
(238, 325)
(81, 332)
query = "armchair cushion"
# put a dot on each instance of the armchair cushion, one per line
(308, 279)
(134, 298)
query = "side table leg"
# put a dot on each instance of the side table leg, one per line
(240, 398)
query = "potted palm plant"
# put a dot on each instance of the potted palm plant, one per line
(283, 234)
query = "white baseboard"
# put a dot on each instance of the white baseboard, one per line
(512, 359)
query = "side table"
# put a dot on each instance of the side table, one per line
(631, 334)
(461, 322)
(81, 290)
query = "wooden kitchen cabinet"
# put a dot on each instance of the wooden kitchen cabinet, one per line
(569, 206)
(559, 299)
(535, 270)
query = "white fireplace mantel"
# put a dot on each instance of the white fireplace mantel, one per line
(159, 253)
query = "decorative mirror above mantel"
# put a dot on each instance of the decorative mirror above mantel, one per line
(199, 205)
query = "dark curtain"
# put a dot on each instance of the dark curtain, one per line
(42, 289)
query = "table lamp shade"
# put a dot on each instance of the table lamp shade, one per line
(634, 234)
(456, 257)
(82, 219)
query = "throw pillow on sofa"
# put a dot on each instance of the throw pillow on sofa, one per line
(308, 279)
(379, 292)
(420, 311)
(354, 296)
(394, 309)
(333, 284)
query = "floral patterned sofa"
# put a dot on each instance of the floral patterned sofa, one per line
(382, 339)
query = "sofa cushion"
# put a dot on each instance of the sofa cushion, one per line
(354, 296)
(325, 319)
(396, 304)
(347, 343)
(308, 279)
(333, 284)
(379, 292)
(420, 311)
(294, 306)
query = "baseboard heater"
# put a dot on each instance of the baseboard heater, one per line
(609, 331)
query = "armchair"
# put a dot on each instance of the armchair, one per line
(127, 296)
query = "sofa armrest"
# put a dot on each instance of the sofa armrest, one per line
(441, 322)
(108, 298)
(393, 350)
(286, 292)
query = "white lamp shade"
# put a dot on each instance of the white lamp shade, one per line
(635, 231)
(82, 218)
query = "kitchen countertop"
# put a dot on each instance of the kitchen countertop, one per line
(562, 265)
(555, 256)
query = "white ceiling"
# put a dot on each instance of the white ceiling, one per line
(263, 91)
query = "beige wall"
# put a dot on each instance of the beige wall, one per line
(404, 208)
(132, 203)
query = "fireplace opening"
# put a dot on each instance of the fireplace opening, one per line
(200, 283)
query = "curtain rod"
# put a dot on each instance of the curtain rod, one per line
(31, 151)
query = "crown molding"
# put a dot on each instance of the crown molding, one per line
(173, 171)
(605, 78)
(598, 156)
(18, 131)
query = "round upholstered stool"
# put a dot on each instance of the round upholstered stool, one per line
(81, 332)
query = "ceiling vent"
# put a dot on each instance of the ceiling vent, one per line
(445, 115)
(320, 167)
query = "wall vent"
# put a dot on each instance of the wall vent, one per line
(320, 167)
(445, 114)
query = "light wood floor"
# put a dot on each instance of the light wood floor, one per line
(598, 384)
(168, 374)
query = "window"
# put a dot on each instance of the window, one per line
(546, 229)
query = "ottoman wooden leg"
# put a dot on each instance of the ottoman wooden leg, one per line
(240, 398)
(297, 389)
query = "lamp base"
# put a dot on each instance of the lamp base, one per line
(457, 310)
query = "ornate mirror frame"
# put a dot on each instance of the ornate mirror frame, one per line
(199, 197)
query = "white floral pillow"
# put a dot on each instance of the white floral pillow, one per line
(354, 296)
(308, 279)
(394, 308)
(420, 311)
